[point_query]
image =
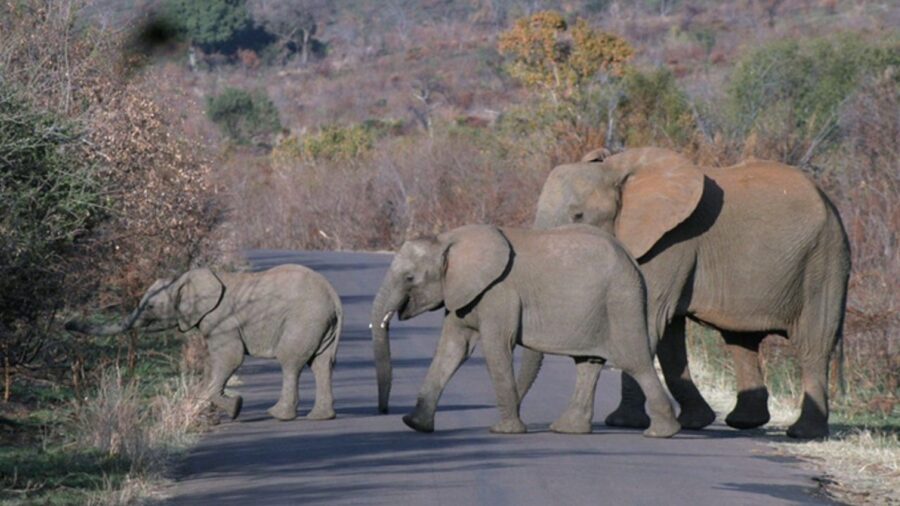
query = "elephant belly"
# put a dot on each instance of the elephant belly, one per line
(586, 340)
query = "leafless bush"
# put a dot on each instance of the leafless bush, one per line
(119, 422)
(410, 186)
(865, 183)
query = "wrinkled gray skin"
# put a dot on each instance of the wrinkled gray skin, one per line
(750, 250)
(570, 291)
(289, 313)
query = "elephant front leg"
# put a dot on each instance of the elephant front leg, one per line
(225, 355)
(695, 412)
(752, 408)
(454, 347)
(578, 416)
(498, 347)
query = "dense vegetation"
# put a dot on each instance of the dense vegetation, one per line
(210, 126)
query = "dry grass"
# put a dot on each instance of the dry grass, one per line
(859, 466)
(146, 432)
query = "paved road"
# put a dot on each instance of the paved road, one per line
(366, 458)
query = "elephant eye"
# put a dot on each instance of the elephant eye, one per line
(577, 217)
(410, 278)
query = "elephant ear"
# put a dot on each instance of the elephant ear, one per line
(199, 292)
(661, 189)
(474, 257)
(596, 155)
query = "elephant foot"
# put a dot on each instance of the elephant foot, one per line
(231, 405)
(801, 430)
(509, 426)
(283, 413)
(628, 417)
(696, 417)
(663, 428)
(572, 423)
(747, 418)
(320, 414)
(418, 424)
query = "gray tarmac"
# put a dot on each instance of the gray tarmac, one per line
(366, 458)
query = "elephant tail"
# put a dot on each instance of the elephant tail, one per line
(842, 384)
(333, 337)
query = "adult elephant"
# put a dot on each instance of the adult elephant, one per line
(751, 250)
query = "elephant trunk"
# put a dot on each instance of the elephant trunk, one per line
(545, 218)
(109, 329)
(386, 303)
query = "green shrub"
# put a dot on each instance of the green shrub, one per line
(208, 23)
(793, 88)
(654, 110)
(243, 116)
(336, 142)
(48, 197)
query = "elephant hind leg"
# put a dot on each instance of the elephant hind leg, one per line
(752, 408)
(293, 353)
(662, 416)
(322, 367)
(528, 371)
(818, 329)
(814, 338)
(225, 356)
(630, 412)
(578, 416)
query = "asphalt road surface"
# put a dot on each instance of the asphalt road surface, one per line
(366, 458)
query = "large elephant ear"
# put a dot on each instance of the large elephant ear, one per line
(199, 293)
(474, 257)
(661, 189)
(596, 155)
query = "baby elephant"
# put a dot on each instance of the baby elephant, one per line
(289, 313)
(570, 291)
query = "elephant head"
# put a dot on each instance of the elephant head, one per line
(181, 303)
(451, 270)
(637, 195)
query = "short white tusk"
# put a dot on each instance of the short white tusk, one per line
(386, 319)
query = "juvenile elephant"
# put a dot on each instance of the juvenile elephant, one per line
(751, 250)
(289, 313)
(570, 291)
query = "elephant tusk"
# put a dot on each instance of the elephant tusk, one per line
(387, 319)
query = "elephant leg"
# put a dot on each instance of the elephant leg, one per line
(662, 416)
(226, 354)
(578, 416)
(498, 355)
(630, 412)
(531, 364)
(752, 408)
(814, 336)
(286, 407)
(454, 347)
(672, 352)
(322, 367)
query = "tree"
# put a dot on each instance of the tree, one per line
(48, 196)
(245, 117)
(548, 54)
(210, 24)
(292, 23)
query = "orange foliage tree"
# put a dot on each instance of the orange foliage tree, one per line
(550, 55)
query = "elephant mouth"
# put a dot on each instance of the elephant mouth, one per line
(403, 312)
(155, 326)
